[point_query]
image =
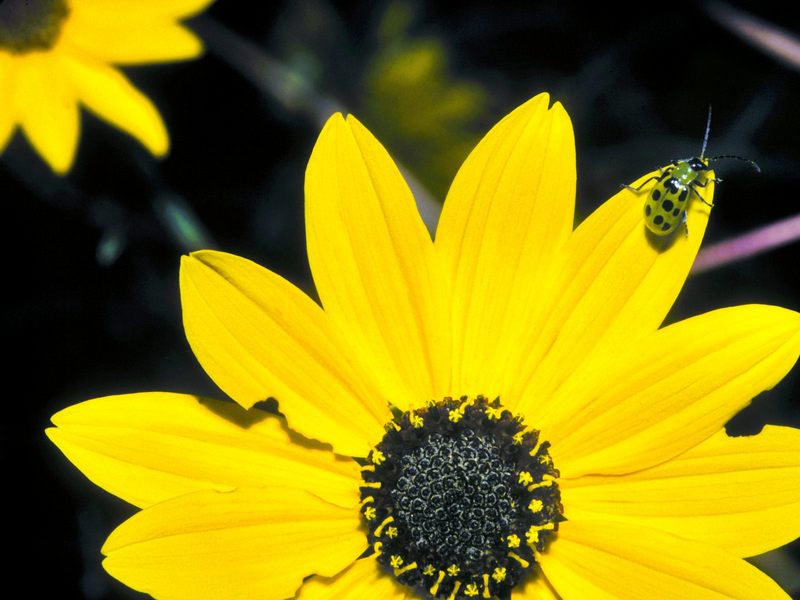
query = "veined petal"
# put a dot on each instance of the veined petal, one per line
(737, 493)
(258, 336)
(363, 580)
(620, 561)
(655, 399)
(46, 106)
(144, 9)
(149, 447)
(242, 544)
(616, 286)
(507, 214)
(115, 37)
(374, 265)
(108, 93)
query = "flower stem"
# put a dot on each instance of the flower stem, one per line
(270, 76)
(744, 246)
(292, 92)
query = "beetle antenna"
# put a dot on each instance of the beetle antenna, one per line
(747, 160)
(705, 137)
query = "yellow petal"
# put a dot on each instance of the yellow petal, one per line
(655, 399)
(243, 544)
(144, 9)
(45, 102)
(374, 265)
(115, 37)
(108, 93)
(258, 336)
(607, 560)
(508, 213)
(8, 119)
(363, 580)
(615, 287)
(146, 448)
(741, 494)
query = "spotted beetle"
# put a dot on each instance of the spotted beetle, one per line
(669, 199)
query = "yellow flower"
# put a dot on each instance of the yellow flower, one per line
(57, 54)
(546, 341)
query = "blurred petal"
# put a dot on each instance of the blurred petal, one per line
(616, 286)
(363, 580)
(115, 37)
(145, 9)
(46, 105)
(374, 265)
(655, 399)
(146, 448)
(108, 93)
(741, 494)
(242, 544)
(8, 120)
(258, 336)
(608, 560)
(508, 213)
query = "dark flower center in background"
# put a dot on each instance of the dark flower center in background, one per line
(27, 25)
(457, 497)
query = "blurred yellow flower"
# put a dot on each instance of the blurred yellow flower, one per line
(407, 72)
(55, 54)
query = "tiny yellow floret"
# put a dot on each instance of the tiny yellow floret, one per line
(377, 456)
(535, 505)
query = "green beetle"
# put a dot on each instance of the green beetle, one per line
(669, 199)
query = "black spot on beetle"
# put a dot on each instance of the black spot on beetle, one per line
(647, 210)
(658, 220)
(655, 195)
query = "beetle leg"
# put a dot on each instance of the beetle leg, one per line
(641, 185)
(706, 202)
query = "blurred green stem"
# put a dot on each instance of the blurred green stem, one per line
(292, 92)
(270, 76)
(182, 222)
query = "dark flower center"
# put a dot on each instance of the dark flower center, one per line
(458, 497)
(27, 25)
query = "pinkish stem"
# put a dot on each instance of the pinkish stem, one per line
(765, 238)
